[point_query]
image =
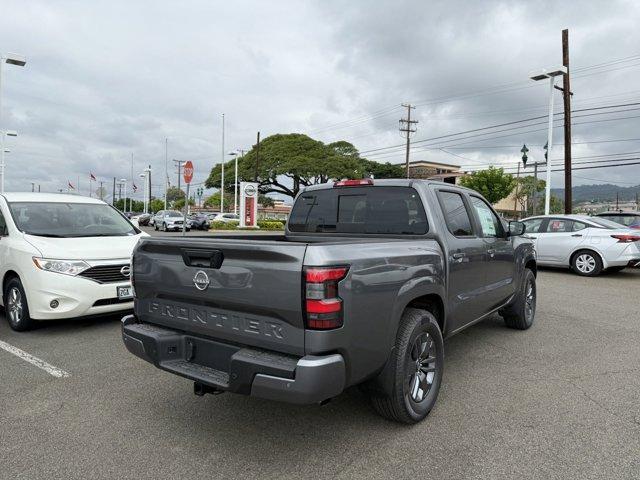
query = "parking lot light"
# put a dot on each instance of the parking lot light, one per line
(20, 61)
(551, 75)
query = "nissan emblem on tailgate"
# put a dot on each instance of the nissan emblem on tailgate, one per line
(201, 280)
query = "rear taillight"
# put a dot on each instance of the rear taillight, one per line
(353, 183)
(323, 305)
(626, 238)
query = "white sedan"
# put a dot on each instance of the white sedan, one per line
(63, 256)
(588, 245)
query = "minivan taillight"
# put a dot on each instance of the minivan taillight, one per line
(323, 305)
(627, 238)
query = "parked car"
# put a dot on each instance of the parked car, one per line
(628, 219)
(167, 220)
(588, 245)
(226, 218)
(199, 221)
(63, 256)
(362, 287)
(143, 219)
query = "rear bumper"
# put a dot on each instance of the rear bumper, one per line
(226, 367)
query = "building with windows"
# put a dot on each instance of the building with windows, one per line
(444, 172)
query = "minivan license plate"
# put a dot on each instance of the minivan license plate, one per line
(125, 293)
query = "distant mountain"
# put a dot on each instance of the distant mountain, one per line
(604, 192)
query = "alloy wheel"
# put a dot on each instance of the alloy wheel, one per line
(421, 368)
(14, 305)
(530, 301)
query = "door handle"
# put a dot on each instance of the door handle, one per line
(458, 257)
(491, 252)
(576, 235)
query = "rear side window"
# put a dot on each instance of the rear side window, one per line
(455, 213)
(557, 225)
(366, 210)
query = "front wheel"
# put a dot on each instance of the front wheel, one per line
(521, 313)
(417, 364)
(16, 306)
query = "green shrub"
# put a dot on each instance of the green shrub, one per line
(271, 224)
(223, 226)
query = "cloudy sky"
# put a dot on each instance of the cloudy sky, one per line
(108, 79)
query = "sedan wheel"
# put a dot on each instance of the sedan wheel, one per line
(14, 305)
(586, 263)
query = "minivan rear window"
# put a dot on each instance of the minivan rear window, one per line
(363, 210)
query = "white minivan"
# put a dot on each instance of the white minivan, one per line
(63, 256)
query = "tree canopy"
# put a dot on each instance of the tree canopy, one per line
(289, 162)
(492, 183)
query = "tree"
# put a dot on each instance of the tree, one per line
(174, 193)
(136, 207)
(179, 204)
(213, 201)
(524, 193)
(156, 205)
(289, 162)
(266, 201)
(492, 183)
(382, 170)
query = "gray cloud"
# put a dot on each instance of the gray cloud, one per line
(104, 80)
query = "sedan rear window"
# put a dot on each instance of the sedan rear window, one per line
(364, 210)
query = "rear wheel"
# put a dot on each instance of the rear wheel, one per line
(522, 311)
(16, 307)
(417, 364)
(586, 263)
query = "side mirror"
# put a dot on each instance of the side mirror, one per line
(516, 229)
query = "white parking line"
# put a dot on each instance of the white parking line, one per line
(27, 357)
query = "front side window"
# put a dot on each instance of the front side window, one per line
(455, 213)
(489, 222)
(363, 210)
(60, 219)
(533, 225)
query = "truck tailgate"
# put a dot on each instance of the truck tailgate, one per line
(244, 291)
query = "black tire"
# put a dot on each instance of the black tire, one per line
(418, 335)
(16, 307)
(521, 313)
(586, 263)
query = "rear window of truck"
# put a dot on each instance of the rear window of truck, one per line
(365, 210)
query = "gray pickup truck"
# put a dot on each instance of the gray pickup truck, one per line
(367, 280)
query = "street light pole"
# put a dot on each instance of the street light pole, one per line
(13, 59)
(222, 171)
(166, 171)
(550, 74)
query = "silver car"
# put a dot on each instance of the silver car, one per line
(587, 245)
(168, 220)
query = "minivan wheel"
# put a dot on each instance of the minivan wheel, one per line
(521, 313)
(16, 307)
(586, 263)
(417, 365)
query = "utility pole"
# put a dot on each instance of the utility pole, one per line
(255, 175)
(33, 187)
(407, 128)
(179, 164)
(515, 194)
(617, 202)
(149, 186)
(535, 188)
(566, 95)
(113, 197)
(101, 190)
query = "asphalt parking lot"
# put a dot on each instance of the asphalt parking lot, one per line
(561, 400)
